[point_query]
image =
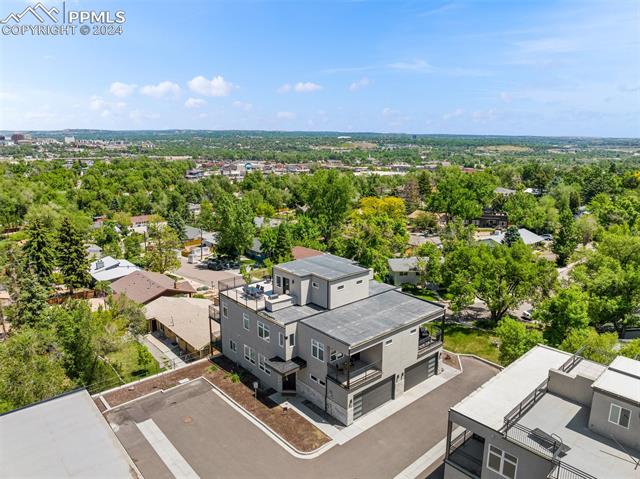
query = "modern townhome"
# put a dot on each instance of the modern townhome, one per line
(323, 329)
(550, 414)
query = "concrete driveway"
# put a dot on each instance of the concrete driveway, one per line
(200, 274)
(217, 441)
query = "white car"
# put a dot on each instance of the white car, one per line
(527, 315)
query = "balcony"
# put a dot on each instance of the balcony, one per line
(351, 373)
(465, 454)
(428, 342)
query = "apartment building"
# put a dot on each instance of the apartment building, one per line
(322, 328)
(550, 414)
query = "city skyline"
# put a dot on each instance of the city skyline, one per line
(486, 68)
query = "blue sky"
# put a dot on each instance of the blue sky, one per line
(476, 67)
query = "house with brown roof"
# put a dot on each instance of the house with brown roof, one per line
(145, 286)
(300, 252)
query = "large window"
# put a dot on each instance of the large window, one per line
(263, 331)
(233, 346)
(262, 365)
(317, 350)
(249, 354)
(619, 415)
(245, 321)
(502, 462)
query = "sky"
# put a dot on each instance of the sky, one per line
(551, 68)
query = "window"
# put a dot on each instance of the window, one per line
(359, 281)
(314, 284)
(404, 273)
(245, 321)
(262, 365)
(388, 342)
(317, 350)
(233, 346)
(292, 339)
(413, 331)
(335, 355)
(225, 312)
(249, 354)
(281, 340)
(619, 415)
(263, 331)
(502, 462)
(278, 281)
(316, 380)
(341, 287)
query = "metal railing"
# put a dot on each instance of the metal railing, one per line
(353, 378)
(429, 343)
(565, 471)
(527, 403)
(459, 457)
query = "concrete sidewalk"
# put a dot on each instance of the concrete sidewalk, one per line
(161, 352)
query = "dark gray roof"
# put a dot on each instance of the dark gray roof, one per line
(361, 321)
(294, 313)
(283, 367)
(326, 266)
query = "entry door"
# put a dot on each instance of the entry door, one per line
(289, 382)
(285, 285)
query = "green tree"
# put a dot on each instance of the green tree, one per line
(72, 256)
(429, 263)
(162, 255)
(591, 345)
(176, 223)
(206, 218)
(39, 252)
(587, 227)
(515, 339)
(329, 196)
(31, 302)
(511, 236)
(31, 369)
(462, 195)
(282, 251)
(132, 248)
(567, 310)
(268, 239)
(631, 349)
(566, 239)
(235, 226)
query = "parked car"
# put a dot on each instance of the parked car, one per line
(547, 237)
(527, 315)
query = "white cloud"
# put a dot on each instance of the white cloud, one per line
(138, 115)
(105, 107)
(162, 89)
(360, 84)
(415, 65)
(217, 86)
(458, 112)
(241, 105)
(284, 88)
(286, 115)
(194, 103)
(122, 90)
(308, 86)
(506, 97)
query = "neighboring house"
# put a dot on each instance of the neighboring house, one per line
(65, 436)
(145, 286)
(300, 252)
(418, 239)
(197, 235)
(528, 237)
(94, 251)
(186, 321)
(504, 191)
(549, 414)
(491, 219)
(255, 250)
(260, 221)
(325, 330)
(110, 269)
(403, 270)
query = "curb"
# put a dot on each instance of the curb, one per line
(486, 361)
(290, 448)
(157, 391)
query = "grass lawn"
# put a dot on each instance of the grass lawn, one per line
(126, 362)
(422, 293)
(459, 339)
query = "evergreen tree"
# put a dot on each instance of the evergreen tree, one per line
(39, 252)
(511, 236)
(31, 302)
(566, 239)
(72, 256)
(282, 252)
(176, 223)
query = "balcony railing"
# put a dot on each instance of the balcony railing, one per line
(465, 454)
(353, 374)
(428, 343)
(565, 471)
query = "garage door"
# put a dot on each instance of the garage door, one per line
(417, 373)
(373, 397)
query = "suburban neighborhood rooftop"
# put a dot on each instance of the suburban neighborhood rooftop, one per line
(622, 379)
(326, 266)
(357, 322)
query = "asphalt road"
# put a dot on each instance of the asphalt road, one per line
(218, 442)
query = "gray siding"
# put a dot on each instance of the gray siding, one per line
(398, 279)
(599, 420)
(353, 289)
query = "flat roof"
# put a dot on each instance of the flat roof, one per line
(326, 266)
(588, 451)
(358, 322)
(622, 379)
(496, 398)
(62, 437)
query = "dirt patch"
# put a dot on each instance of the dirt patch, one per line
(164, 381)
(451, 359)
(237, 383)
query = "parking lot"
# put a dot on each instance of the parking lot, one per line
(200, 274)
(214, 440)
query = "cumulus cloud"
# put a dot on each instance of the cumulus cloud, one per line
(217, 86)
(300, 87)
(194, 103)
(286, 115)
(241, 105)
(360, 84)
(162, 89)
(453, 114)
(122, 90)
(105, 108)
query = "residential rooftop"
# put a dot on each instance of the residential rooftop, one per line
(586, 450)
(63, 437)
(325, 266)
(383, 311)
(621, 379)
(398, 265)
